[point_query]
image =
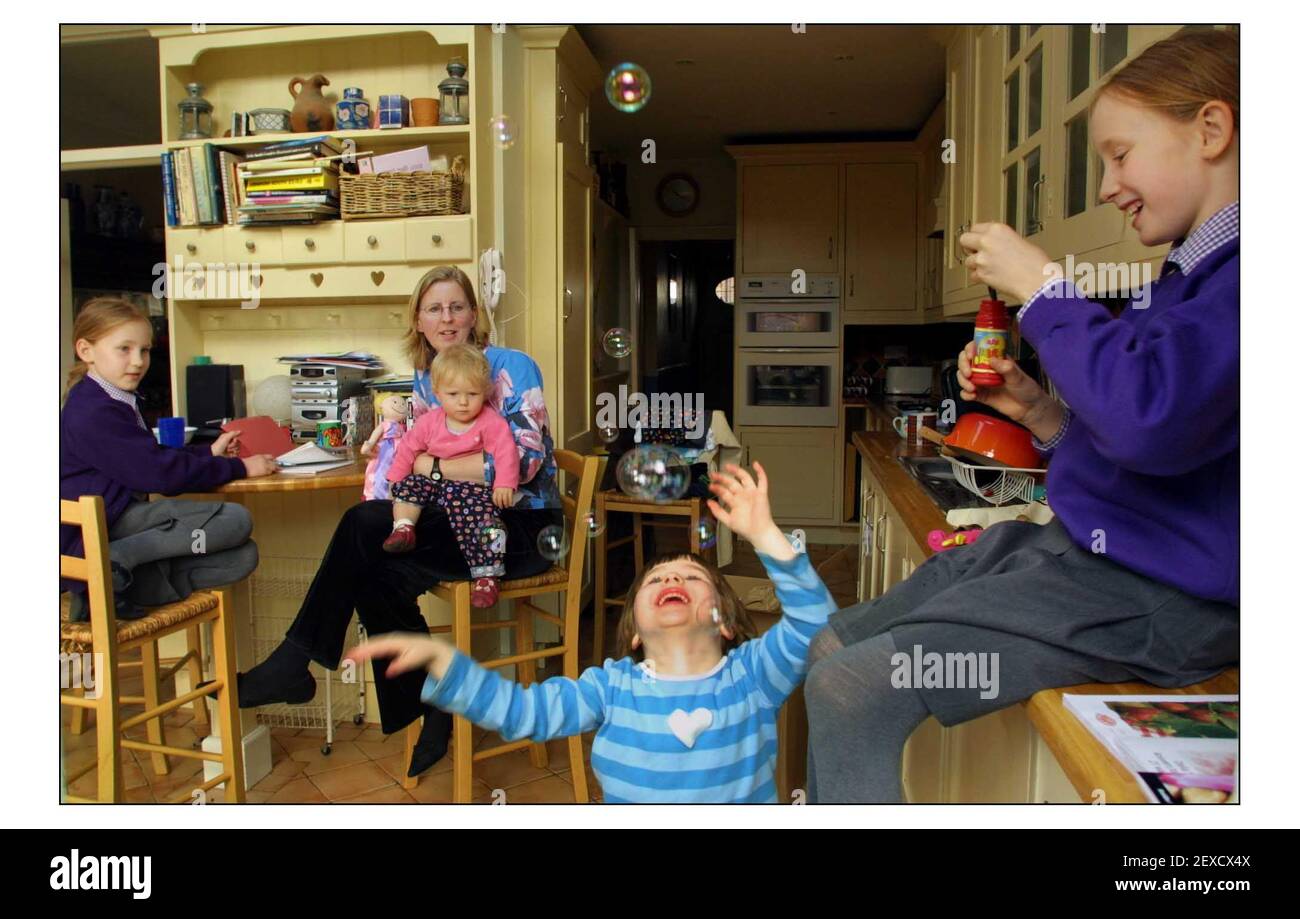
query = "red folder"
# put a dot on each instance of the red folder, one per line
(260, 434)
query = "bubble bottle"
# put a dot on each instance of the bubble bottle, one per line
(991, 326)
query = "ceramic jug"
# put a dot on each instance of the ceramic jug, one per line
(311, 113)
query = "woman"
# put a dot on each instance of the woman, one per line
(1137, 577)
(356, 574)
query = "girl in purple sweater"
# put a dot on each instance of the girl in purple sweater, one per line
(161, 551)
(1136, 578)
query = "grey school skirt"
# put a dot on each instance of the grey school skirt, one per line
(1054, 614)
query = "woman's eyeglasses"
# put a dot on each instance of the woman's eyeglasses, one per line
(453, 311)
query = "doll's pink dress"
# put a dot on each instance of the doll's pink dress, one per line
(377, 469)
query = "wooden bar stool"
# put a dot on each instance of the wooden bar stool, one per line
(682, 512)
(99, 643)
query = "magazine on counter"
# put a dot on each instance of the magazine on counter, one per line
(1183, 749)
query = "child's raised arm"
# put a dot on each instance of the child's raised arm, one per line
(778, 660)
(557, 707)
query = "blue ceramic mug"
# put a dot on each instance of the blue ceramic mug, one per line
(171, 432)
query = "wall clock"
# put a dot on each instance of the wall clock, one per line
(677, 195)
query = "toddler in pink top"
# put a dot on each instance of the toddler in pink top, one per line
(461, 423)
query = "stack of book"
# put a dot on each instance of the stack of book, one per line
(294, 181)
(364, 360)
(200, 186)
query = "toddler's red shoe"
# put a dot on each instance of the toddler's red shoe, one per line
(402, 539)
(484, 593)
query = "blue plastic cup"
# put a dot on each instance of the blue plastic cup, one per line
(171, 432)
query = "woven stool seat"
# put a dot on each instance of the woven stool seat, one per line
(75, 637)
(614, 494)
(556, 575)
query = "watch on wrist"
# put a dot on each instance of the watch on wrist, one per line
(436, 472)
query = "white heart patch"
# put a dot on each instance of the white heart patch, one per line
(688, 727)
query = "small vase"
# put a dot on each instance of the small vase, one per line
(353, 110)
(311, 113)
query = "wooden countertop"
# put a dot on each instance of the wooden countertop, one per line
(880, 450)
(1085, 760)
(352, 475)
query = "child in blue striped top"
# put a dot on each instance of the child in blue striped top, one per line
(687, 713)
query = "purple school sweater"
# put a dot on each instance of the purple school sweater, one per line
(1152, 456)
(103, 450)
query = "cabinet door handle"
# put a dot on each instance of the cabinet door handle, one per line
(956, 245)
(880, 534)
(568, 304)
(250, 245)
(564, 105)
(850, 285)
(830, 247)
(191, 248)
(309, 243)
(437, 239)
(371, 241)
(1038, 203)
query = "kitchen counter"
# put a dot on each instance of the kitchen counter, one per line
(1094, 773)
(880, 450)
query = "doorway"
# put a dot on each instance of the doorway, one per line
(685, 329)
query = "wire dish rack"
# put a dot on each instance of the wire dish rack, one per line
(278, 587)
(999, 485)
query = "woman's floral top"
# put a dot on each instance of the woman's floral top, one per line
(517, 396)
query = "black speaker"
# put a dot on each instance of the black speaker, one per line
(214, 391)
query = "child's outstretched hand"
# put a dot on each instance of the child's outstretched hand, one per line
(742, 505)
(407, 652)
(503, 497)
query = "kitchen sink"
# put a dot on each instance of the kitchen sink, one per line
(934, 474)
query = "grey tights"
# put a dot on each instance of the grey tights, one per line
(858, 721)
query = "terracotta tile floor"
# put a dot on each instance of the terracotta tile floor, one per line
(364, 766)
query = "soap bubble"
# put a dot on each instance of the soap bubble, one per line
(502, 128)
(707, 531)
(608, 435)
(653, 473)
(628, 87)
(618, 342)
(553, 543)
(592, 526)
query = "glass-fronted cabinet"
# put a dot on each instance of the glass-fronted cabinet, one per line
(1088, 53)
(1026, 77)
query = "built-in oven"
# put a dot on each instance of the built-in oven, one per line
(780, 311)
(787, 386)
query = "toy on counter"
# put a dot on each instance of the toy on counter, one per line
(940, 541)
(383, 444)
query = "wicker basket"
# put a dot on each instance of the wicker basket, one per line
(403, 194)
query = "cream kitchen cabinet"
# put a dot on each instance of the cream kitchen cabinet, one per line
(789, 218)
(960, 90)
(975, 180)
(804, 462)
(880, 243)
(1019, 95)
(1084, 225)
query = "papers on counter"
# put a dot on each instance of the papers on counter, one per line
(309, 459)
